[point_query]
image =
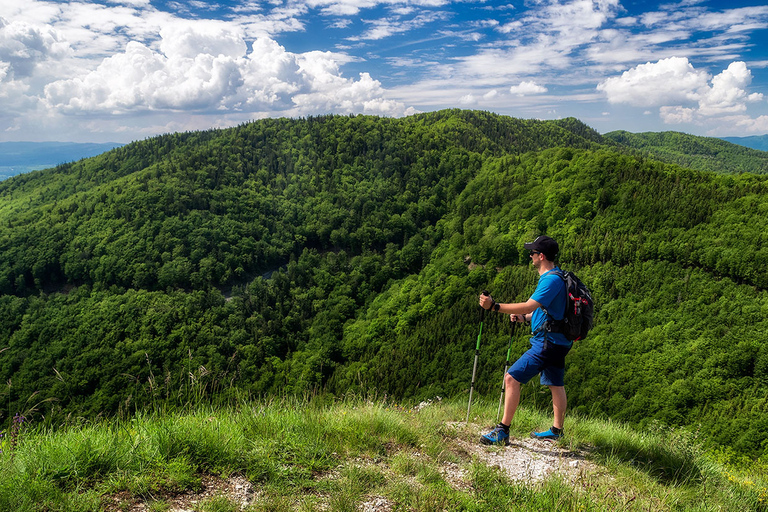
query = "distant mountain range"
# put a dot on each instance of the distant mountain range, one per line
(20, 157)
(759, 142)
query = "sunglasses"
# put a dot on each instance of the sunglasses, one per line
(535, 252)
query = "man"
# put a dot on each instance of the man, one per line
(548, 349)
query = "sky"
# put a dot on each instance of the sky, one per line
(125, 70)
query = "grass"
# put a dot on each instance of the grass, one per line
(316, 455)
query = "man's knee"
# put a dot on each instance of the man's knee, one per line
(557, 390)
(510, 381)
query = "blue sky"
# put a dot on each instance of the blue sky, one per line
(122, 70)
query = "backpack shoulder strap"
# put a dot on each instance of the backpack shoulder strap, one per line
(547, 325)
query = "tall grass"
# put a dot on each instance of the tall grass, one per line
(318, 454)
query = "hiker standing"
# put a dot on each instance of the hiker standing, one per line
(548, 349)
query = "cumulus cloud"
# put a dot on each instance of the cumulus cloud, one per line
(24, 46)
(677, 115)
(684, 94)
(156, 66)
(756, 125)
(188, 41)
(527, 88)
(208, 68)
(728, 94)
(144, 79)
(655, 84)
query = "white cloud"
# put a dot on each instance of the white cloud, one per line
(728, 94)
(386, 27)
(14, 95)
(684, 94)
(756, 125)
(742, 124)
(205, 68)
(527, 88)
(341, 7)
(544, 39)
(655, 84)
(24, 46)
(142, 79)
(352, 7)
(185, 40)
(137, 3)
(334, 94)
(158, 67)
(677, 115)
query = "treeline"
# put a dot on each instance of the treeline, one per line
(345, 254)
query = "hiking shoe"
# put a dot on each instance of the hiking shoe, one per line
(496, 436)
(548, 435)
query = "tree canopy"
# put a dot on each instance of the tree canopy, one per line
(345, 254)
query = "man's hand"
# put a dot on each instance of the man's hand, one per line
(517, 318)
(486, 302)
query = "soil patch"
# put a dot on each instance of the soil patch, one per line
(525, 460)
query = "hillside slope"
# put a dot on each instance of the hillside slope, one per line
(700, 153)
(345, 254)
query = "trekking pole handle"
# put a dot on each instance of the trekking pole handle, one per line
(482, 309)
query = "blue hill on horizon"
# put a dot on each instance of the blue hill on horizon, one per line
(759, 142)
(20, 157)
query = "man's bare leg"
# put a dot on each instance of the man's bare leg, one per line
(559, 404)
(511, 398)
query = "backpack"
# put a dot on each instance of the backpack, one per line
(579, 309)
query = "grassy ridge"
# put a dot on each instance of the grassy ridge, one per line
(319, 455)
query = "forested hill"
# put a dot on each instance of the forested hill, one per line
(701, 153)
(208, 208)
(345, 254)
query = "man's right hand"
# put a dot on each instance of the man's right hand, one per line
(517, 318)
(486, 302)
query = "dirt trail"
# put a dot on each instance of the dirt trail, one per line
(524, 460)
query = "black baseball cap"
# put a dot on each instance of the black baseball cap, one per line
(545, 245)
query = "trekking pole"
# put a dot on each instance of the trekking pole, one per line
(506, 367)
(477, 353)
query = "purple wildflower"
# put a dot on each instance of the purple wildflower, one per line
(18, 422)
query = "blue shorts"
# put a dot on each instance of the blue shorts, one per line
(547, 359)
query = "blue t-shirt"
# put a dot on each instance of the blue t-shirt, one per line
(550, 293)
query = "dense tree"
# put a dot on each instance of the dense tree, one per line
(345, 254)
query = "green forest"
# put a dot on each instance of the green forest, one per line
(702, 153)
(345, 254)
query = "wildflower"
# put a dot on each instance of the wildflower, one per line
(18, 421)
